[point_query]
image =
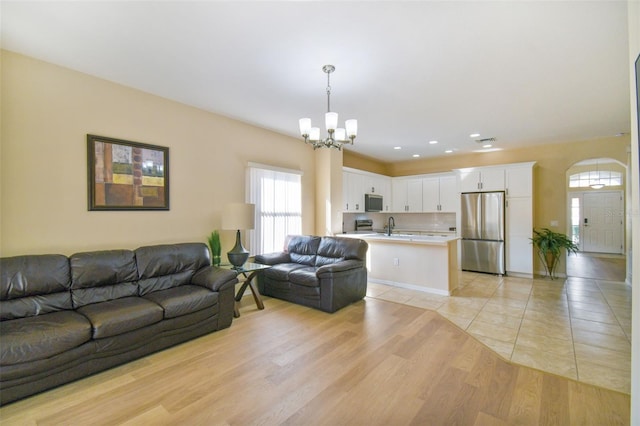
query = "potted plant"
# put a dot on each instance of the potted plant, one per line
(216, 248)
(550, 245)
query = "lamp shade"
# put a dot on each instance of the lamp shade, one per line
(352, 128)
(314, 133)
(238, 216)
(331, 120)
(305, 126)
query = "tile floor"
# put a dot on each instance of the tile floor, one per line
(578, 328)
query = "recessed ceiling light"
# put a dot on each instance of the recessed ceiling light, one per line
(487, 145)
(416, 155)
(397, 147)
(449, 151)
(433, 142)
(474, 135)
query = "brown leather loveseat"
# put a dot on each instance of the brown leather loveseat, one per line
(326, 273)
(63, 318)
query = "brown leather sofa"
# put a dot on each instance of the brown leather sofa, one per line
(326, 273)
(63, 318)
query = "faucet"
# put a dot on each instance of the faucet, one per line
(389, 226)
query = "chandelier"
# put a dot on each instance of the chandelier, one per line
(337, 136)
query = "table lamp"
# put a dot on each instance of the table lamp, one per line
(238, 216)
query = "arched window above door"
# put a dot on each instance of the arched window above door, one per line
(585, 179)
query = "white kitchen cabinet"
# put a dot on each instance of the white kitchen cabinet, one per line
(519, 225)
(355, 184)
(439, 194)
(519, 218)
(449, 199)
(519, 180)
(431, 194)
(406, 194)
(380, 185)
(352, 192)
(481, 179)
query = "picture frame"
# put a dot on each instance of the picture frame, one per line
(126, 175)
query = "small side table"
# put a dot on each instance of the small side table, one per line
(249, 271)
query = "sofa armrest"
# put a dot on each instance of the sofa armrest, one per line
(215, 279)
(342, 266)
(273, 258)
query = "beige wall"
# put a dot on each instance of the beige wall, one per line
(47, 112)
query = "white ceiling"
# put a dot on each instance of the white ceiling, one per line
(524, 72)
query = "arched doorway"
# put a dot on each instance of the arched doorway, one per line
(596, 217)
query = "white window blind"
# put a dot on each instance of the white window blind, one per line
(277, 194)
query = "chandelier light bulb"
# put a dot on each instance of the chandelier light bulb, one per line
(340, 134)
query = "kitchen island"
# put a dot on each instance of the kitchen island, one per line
(424, 263)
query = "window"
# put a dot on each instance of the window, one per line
(584, 179)
(277, 194)
(575, 220)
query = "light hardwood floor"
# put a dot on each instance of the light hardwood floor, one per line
(579, 328)
(372, 363)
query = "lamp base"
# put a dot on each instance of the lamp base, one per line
(238, 254)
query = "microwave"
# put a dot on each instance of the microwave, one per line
(373, 203)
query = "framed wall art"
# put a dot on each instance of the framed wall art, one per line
(125, 175)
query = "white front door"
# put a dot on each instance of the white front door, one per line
(603, 222)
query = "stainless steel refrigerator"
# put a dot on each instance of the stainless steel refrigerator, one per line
(482, 232)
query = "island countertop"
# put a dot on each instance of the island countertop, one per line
(404, 238)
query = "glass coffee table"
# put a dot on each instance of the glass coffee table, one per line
(248, 271)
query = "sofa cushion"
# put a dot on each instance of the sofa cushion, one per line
(304, 277)
(303, 249)
(121, 315)
(170, 265)
(34, 285)
(183, 300)
(281, 271)
(43, 336)
(100, 276)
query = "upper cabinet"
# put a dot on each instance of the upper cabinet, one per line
(439, 194)
(481, 179)
(356, 183)
(379, 185)
(406, 195)
(519, 180)
(352, 192)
